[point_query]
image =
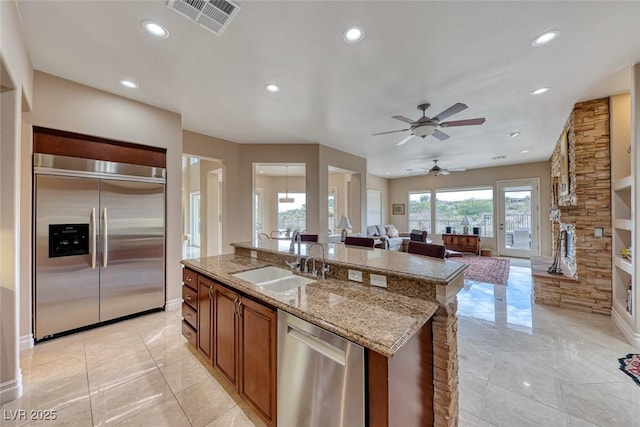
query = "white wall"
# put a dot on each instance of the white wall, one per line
(65, 105)
(16, 87)
(399, 193)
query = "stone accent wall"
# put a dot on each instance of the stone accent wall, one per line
(445, 365)
(590, 156)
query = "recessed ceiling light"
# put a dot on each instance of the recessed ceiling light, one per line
(539, 91)
(128, 83)
(388, 173)
(514, 134)
(353, 34)
(272, 87)
(545, 37)
(524, 151)
(155, 29)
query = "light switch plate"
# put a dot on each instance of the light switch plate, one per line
(378, 280)
(355, 275)
(597, 232)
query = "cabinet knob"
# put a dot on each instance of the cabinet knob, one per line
(188, 335)
(188, 279)
(188, 297)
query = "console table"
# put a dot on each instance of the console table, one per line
(462, 242)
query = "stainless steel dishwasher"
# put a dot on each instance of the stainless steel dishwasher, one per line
(320, 376)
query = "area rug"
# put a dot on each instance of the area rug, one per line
(630, 365)
(485, 269)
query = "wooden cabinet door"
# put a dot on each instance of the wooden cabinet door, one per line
(226, 332)
(205, 319)
(258, 340)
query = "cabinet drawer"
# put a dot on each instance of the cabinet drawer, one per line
(190, 296)
(189, 333)
(190, 315)
(190, 278)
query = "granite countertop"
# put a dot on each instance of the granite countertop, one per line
(375, 318)
(436, 271)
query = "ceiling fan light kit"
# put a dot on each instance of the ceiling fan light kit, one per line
(427, 126)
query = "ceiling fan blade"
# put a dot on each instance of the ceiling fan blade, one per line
(391, 131)
(456, 169)
(455, 108)
(439, 135)
(444, 172)
(467, 122)
(405, 140)
(403, 119)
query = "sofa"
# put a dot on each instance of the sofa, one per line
(394, 240)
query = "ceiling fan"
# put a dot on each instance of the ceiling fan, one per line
(436, 170)
(426, 126)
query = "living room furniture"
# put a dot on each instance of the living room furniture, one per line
(426, 249)
(395, 242)
(462, 242)
(366, 242)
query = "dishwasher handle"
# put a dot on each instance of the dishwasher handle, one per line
(317, 344)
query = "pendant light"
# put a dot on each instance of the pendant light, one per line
(286, 199)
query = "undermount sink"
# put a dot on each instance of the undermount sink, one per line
(275, 279)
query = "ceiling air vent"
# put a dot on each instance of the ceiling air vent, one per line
(214, 15)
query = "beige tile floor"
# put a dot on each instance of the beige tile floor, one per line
(529, 365)
(520, 365)
(138, 372)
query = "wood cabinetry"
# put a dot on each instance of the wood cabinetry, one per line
(238, 335)
(205, 315)
(245, 349)
(189, 306)
(226, 336)
(257, 357)
(462, 242)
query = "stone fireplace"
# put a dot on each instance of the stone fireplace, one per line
(586, 262)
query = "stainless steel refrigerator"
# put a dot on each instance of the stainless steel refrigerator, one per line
(99, 242)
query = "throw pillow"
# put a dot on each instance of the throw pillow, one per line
(372, 230)
(392, 231)
(382, 230)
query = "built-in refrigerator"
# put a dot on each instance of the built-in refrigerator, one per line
(99, 239)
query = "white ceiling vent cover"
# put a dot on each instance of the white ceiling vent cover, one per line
(214, 15)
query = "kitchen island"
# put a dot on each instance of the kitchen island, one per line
(397, 325)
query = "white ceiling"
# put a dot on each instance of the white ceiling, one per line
(338, 94)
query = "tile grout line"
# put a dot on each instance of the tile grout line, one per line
(164, 378)
(86, 368)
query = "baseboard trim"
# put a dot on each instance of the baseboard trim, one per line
(632, 337)
(173, 305)
(11, 390)
(26, 342)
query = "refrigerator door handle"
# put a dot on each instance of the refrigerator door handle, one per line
(92, 237)
(105, 246)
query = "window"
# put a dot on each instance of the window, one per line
(474, 203)
(292, 216)
(193, 160)
(420, 211)
(333, 209)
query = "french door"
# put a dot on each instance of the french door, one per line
(519, 218)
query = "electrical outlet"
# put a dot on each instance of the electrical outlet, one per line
(355, 275)
(378, 280)
(598, 231)
(254, 254)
